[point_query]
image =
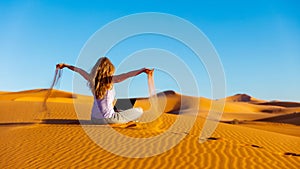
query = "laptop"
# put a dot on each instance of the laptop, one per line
(124, 104)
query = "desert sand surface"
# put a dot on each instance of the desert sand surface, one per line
(252, 133)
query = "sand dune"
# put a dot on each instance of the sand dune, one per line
(243, 98)
(289, 119)
(259, 139)
(37, 93)
(281, 104)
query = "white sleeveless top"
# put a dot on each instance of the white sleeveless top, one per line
(103, 108)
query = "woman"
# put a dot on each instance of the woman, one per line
(101, 80)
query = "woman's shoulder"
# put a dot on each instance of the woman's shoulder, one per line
(112, 90)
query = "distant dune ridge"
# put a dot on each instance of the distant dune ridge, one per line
(239, 98)
(256, 133)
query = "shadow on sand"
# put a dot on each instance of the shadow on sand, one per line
(52, 121)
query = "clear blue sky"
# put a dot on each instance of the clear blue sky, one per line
(258, 42)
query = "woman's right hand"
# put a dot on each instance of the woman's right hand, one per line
(60, 66)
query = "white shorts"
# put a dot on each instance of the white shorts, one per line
(121, 117)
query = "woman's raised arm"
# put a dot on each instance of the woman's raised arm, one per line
(124, 76)
(82, 72)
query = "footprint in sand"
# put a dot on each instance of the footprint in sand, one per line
(251, 145)
(291, 154)
(256, 146)
(286, 153)
(209, 139)
(213, 138)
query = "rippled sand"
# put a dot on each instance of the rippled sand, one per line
(256, 139)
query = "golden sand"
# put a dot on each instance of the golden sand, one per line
(255, 139)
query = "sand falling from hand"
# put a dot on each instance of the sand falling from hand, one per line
(152, 116)
(57, 76)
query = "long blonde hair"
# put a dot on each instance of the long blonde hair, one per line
(101, 77)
